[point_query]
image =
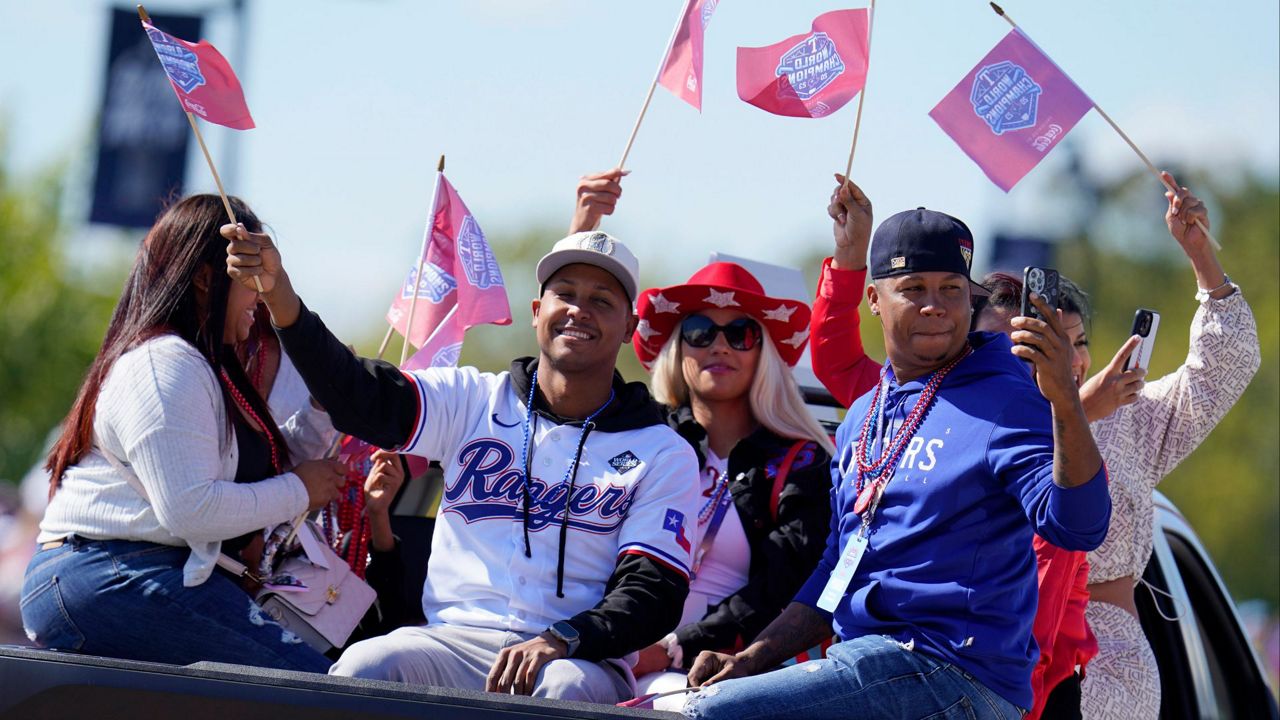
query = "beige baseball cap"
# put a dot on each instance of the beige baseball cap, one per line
(593, 248)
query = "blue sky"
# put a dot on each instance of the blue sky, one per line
(355, 100)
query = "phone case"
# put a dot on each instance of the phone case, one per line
(1042, 281)
(1145, 324)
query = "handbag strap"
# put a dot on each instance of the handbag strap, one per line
(781, 478)
(226, 562)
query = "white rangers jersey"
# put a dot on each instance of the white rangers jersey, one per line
(636, 492)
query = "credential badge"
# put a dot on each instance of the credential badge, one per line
(1005, 97)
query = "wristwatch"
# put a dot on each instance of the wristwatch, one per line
(567, 634)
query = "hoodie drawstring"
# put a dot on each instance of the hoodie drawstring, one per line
(570, 476)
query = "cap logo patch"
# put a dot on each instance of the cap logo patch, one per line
(597, 242)
(898, 263)
(967, 254)
(624, 461)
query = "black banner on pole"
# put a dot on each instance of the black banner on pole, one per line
(142, 134)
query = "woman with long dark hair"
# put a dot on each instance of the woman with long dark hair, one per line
(168, 457)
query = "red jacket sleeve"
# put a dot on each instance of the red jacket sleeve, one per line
(835, 343)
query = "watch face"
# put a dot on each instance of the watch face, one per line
(564, 631)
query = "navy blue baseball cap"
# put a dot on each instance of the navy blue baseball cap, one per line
(921, 240)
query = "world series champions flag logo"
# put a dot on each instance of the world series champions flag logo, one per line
(434, 285)
(476, 258)
(180, 64)
(1005, 97)
(810, 66)
(812, 74)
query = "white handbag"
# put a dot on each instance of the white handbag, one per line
(333, 602)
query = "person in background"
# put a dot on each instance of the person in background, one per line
(168, 453)
(1144, 429)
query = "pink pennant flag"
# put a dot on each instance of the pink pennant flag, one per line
(461, 284)
(1011, 110)
(809, 75)
(443, 348)
(202, 79)
(682, 73)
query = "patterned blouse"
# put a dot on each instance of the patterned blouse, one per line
(1144, 441)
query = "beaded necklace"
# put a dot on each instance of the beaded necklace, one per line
(529, 421)
(719, 485)
(244, 405)
(881, 469)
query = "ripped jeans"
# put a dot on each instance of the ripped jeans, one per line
(869, 678)
(125, 599)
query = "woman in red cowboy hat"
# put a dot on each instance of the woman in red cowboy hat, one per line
(721, 353)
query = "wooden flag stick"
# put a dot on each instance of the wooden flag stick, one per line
(653, 85)
(422, 259)
(862, 95)
(1124, 136)
(386, 339)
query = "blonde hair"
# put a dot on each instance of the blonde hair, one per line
(774, 396)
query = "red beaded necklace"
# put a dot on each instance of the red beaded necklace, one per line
(882, 468)
(244, 405)
(348, 511)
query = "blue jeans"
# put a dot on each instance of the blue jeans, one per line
(125, 599)
(868, 678)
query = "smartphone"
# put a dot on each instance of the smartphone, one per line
(1145, 324)
(1043, 282)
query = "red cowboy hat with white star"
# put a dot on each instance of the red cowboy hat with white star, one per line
(719, 285)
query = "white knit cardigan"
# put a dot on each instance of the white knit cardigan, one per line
(162, 414)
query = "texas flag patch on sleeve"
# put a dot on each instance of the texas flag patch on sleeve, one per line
(674, 523)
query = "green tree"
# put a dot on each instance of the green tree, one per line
(51, 321)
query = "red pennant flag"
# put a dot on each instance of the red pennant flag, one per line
(461, 284)
(1011, 110)
(809, 75)
(202, 79)
(682, 73)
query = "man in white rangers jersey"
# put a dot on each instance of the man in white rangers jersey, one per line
(525, 592)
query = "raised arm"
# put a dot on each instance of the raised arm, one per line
(835, 343)
(598, 195)
(1175, 413)
(368, 399)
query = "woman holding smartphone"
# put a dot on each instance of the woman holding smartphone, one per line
(1144, 429)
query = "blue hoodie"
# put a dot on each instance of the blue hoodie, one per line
(950, 564)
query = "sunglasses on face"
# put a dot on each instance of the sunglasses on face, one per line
(700, 332)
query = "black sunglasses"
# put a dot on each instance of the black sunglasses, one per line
(741, 334)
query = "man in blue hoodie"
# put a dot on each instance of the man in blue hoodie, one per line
(944, 471)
